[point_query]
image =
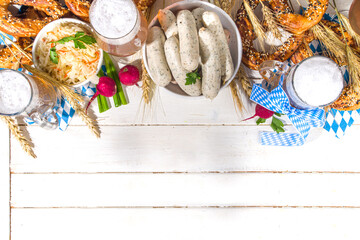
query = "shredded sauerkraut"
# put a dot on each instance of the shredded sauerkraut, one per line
(75, 65)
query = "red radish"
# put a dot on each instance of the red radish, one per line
(105, 87)
(261, 112)
(129, 75)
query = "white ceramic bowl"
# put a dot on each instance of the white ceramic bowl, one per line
(51, 26)
(235, 40)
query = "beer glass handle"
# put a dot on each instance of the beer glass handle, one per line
(271, 71)
(46, 120)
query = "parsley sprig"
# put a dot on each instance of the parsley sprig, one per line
(80, 39)
(276, 124)
(191, 77)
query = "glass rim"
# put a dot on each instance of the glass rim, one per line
(116, 38)
(317, 56)
(31, 92)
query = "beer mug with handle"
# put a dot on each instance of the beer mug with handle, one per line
(315, 82)
(22, 94)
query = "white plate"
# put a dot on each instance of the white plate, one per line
(235, 40)
(51, 26)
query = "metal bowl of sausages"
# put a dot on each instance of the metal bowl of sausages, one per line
(193, 37)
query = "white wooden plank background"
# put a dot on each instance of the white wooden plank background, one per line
(4, 182)
(183, 149)
(190, 224)
(167, 190)
(193, 171)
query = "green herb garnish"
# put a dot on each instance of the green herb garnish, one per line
(277, 125)
(192, 77)
(260, 120)
(54, 56)
(80, 39)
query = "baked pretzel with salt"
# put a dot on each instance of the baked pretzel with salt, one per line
(294, 23)
(299, 23)
(252, 58)
(28, 27)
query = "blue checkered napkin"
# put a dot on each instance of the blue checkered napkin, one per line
(64, 112)
(303, 120)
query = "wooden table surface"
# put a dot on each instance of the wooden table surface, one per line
(193, 171)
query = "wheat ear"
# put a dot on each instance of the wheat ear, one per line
(334, 46)
(354, 68)
(18, 135)
(258, 28)
(245, 81)
(269, 18)
(73, 98)
(227, 5)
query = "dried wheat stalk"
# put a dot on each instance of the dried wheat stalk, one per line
(73, 98)
(345, 22)
(354, 68)
(227, 5)
(334, 46)
(217, 3)
(236, 95)
(27, 55)
(18, 135)
(148, 86)
(245, 81)
(353, 59)
(272, 24)
(64, 88)
(258, 28)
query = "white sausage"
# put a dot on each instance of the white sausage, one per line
(159, 69)
(211, 66)
(189, 42)
(167, 21)
(198, 12)
(212, 21)
(172, 53)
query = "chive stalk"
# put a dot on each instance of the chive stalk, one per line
(119, 97)
(102, 101)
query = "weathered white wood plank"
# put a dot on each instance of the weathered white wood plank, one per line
(4, 182)
(182, 149)
(191, 224)
(172, 109)
(207, 189)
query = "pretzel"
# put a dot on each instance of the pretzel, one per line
(81, 7)
(296, 23)
(27, 27)
(10, 56)
(144, 4)
(348, 101)
(253, 58)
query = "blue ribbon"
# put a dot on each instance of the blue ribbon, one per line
(303, 120)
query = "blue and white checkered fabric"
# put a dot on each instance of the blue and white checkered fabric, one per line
(64, 112)
(303, 120)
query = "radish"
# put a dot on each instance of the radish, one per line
(106, 87)
(261, 112)
(129, 75)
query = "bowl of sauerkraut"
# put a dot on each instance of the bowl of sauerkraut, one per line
(67, 50)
